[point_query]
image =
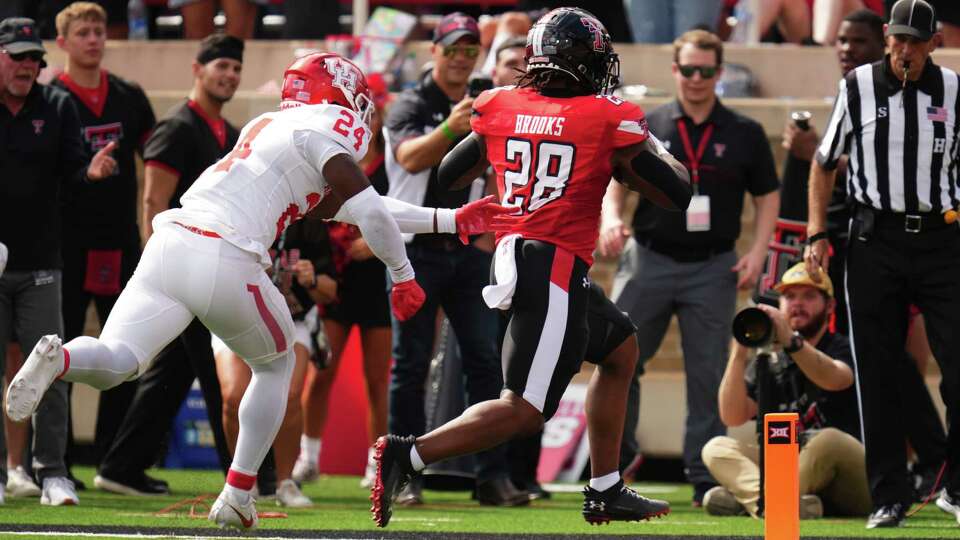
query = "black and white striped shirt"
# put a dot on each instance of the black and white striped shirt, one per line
(902, 143)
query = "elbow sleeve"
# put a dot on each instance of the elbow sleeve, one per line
(659, 174)
(458, 162)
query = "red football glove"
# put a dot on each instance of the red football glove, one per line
(406, 298)
(476, 217)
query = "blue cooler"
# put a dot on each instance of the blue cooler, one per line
(191, 440)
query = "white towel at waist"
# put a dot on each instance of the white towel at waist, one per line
(500, 295)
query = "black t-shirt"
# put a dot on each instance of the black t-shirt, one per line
(793, 392)
(186, 142)
(40, 151)
(736, 159)
(794, 197)
(103, 214)
(417, 112)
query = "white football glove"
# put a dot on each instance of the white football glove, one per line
(3, 257)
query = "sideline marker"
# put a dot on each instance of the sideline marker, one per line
(781, 478)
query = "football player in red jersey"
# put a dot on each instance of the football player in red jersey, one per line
(554, 142)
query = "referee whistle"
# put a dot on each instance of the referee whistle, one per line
(950, 217)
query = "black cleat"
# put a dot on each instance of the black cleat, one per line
(392, 454)
(620, 503)
(890, 515)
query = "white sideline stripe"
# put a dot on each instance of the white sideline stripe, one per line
(60, 534)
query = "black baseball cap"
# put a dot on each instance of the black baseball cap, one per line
(19, 35)
(914, 18)
(455, 26)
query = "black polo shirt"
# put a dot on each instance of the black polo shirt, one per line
(186, 142)
(791, 391)
(736, 159)
(40, 151)
(103, 215)
(416, 112)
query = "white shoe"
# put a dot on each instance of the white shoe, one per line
(230, 510)
(305, 471)
(58, 491)
(948, 504)
(37, 374)
(2, 501)
(370, 473)
(19, 484)
(288, 494)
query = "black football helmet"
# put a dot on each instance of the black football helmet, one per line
(573, 41)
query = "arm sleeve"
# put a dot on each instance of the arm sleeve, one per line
(761, 171)
(412, 219)
(630, 125)
(167, 146)
(403, 121)
(833, 144)
(379, 229)
(74, 158)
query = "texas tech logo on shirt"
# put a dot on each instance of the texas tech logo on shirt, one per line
(98, 137)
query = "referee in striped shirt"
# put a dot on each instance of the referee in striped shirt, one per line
(898, 121)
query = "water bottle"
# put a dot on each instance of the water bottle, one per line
(137, 20)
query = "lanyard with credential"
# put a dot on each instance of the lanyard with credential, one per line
(694, 157)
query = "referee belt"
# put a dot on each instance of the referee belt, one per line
(911, 223)
(683, 254)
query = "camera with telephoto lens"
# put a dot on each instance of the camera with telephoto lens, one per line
(753, 328)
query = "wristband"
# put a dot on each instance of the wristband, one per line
(822, 235)
(445, 129)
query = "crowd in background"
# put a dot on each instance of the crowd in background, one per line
(332, 282)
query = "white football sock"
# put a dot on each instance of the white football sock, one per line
(418, 464)
(100, 364)
(606, 481)
(310, 449)
(261, 410)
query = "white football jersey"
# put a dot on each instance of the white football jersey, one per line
(272, 177)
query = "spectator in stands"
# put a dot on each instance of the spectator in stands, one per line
(192, 136)
(424, 123)
(360, 300)
(41, 157)
(948, 13)
(811, 374)
(495, 31)
(684, 262)
(828, 14)
(613, 15)
(101, 238)
(198, 16)
(295, 255)
(655, 21)
(860, 41)
(311, 19)
(787, 20)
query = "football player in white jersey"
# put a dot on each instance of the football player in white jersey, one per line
(207, 260)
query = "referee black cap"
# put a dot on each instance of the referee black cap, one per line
(914, 18)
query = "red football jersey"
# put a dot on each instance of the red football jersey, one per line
(552, 159)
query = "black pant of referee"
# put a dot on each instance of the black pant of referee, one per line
(904, 259)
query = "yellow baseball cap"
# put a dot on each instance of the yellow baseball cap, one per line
(797, 275)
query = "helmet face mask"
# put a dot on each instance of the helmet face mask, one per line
(574, 42)
(326, 78)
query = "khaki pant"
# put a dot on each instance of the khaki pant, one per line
(832, 466)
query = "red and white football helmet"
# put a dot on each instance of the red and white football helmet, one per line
(326, 78)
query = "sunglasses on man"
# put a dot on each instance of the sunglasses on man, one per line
(706, 72)
(470, 51)
(36, 56)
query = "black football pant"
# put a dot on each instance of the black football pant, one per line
(885, 274)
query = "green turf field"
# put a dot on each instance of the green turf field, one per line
(341, 506)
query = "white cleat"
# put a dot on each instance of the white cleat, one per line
(37, 374)
(304, 471)
(59, 491)
(19, 483)
(370, 474)
(230, 511)
(289, 495)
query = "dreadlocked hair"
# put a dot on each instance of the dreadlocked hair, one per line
(540, 79)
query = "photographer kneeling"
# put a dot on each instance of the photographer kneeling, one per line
(810, 372)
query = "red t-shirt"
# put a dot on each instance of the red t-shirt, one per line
(552, 159)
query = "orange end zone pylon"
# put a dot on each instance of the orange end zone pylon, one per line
(781, 478)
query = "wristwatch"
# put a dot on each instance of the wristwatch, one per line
(796, 343)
